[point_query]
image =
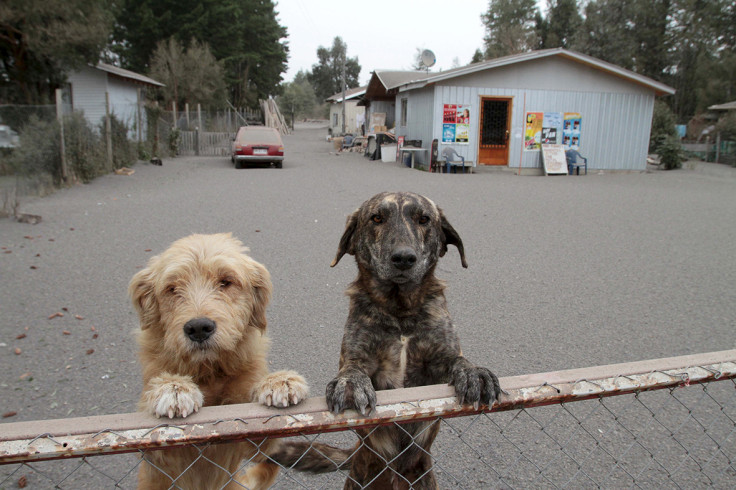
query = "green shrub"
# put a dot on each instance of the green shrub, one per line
(670, 153)
(123, 150)
(174, 137)
(663, 126)
(85, 152)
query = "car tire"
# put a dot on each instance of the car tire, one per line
(238, 164)
(278, 164)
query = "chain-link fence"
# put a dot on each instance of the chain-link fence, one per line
(668, 423)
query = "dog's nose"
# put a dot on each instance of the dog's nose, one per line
(199, 329)
(403, 258)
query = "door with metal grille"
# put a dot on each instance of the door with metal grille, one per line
(495, 127)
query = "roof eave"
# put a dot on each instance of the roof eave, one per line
(657, 87)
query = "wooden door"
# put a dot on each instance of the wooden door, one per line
(495, 129)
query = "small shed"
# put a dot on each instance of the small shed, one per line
(89, 86)
(380, 94)
(354, 113)
(499, 112)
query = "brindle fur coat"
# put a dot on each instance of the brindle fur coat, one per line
(399, 334)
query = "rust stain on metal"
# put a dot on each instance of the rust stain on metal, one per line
(275, 424)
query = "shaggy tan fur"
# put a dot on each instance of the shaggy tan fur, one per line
(202, 307)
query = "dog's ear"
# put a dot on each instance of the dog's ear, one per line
(142, 295)
(451, 237)
(346, 242)
(260, 280)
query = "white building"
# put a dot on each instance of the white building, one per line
(354, 114)
(91, 86)
(498, 112)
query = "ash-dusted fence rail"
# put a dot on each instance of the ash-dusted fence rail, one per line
(667, 423)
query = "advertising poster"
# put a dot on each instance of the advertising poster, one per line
(533, 131)
(449, 114)
(552, 128)
(448, 133)
(455, 124)
(571, 130)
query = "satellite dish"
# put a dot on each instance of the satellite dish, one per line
(428, 58)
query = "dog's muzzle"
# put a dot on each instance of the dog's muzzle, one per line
(199, 329)
(403, 258)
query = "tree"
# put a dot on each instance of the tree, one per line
(607, 33)
(326, 75)
(298, 96)
(244, 34)
(703, 55)
(561, 25)
(40, 41)
(477, 56)
(191, 75)
(510, 27)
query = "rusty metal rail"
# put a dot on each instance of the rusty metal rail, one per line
(111, 434)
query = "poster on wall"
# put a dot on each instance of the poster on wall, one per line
(455, 124)
(571, 130)
(552, 128)
(533, 131)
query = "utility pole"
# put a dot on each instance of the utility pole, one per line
(344, 84)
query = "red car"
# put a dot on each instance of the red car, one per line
(257, 144)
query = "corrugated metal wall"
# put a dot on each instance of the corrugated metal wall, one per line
(615, 126)
(419, 119)
(88, 93)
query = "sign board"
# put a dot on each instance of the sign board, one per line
(553, 157)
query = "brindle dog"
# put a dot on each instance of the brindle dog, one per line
(399, 334)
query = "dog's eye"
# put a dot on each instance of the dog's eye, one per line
(171, 289)
(423, 220)
(377, 218)
(225, 283)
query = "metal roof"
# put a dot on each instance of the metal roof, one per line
(351, 93)
(127, 74)
(728, 106)
(659, 88)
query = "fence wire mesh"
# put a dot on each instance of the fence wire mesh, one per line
(657, 424)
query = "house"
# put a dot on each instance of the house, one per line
(354, 114)
(500, 111)
(90, 85)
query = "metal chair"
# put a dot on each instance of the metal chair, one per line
(574, 158)
(452, 159)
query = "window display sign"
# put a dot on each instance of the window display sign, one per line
(455, 124)
(571, 130)
(533, 131)
(552, 128)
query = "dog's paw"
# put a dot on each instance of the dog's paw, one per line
(476, 385)
(281, 389)
(173, 396)
(351, 391)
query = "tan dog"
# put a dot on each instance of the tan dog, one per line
(202, 307)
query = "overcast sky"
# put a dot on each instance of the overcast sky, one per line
(382, 34)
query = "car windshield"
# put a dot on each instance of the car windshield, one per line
(259, 136)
